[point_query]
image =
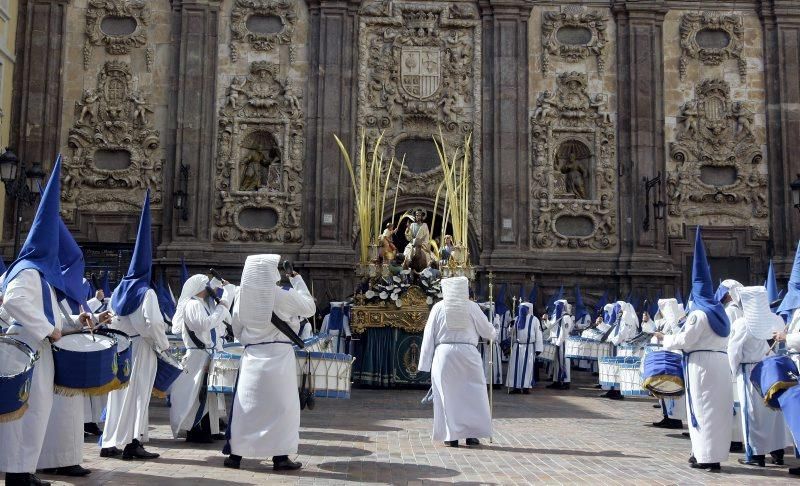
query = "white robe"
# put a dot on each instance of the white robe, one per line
(764, 429)
(793, 338)
(93, 406)
(21, 440)
(523, 354)
(501, 323)
(460, 401)
(709, 393)
(185, 392)
(127, 415)
(734, 312)
(265, 415)
(559, 333)
(338, 337)
(496, 367)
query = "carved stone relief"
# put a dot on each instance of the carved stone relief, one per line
(113, 121)
(573, 34)
(718, 162)
(712, 38)
(574, 168)
(117, 25)
(418, 69)
(260, 158)
(244, 11)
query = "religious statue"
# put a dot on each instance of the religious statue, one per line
(417, 252)
(744, 119)
(260, 169)
(387, 250)
(574, 176)
(87, 106)
(234, 91)
(140, 108)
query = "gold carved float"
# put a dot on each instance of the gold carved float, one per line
(411, 316)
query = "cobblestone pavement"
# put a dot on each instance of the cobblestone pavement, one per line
(383, 437)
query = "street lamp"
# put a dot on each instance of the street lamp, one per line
(658, 206)
(22, 186)
(795, 186)
(181, 196)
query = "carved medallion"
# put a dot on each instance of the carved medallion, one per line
(574, 168)
(420, 71)
(712, 38)
(573, 34)
(117, 25)
(719, 172)
(243, 28)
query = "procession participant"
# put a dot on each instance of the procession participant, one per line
(62, 451)
(764, 429)
(790, 310)
(265, 416)
(502, 320)
(337, 326)
(460, 402)
(495, 368)
(667, 321)
(94, 405)
(625, 326)
(200, 321)
(526, 346)
(29, 297)
(560, 326)
(704, 343)
(728, 295)
(137, 315)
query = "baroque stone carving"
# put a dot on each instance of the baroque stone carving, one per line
(728, 43)
(113, 118)
(418, 69)
(718, 162)
(411, 317)
(240, 33)
(575, 17)
(116, 44)
(574, 168)
(260, 156)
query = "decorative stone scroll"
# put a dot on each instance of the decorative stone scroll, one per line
(260, 159)
(719, 162)
(574, 168)
(114, 146)
(573, 34)
(243, 30)
(711, 38)
(117, 25)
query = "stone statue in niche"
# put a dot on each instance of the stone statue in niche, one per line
(234, 91)
(744, 119)
(572, 163)
(140, 108)
(260, 168)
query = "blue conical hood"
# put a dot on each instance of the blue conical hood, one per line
(72, 264)
(703, 290)
(771, 284)
(679, 296)
(653, 310)
(601, 303)
(500, 306)
(521, 292)
(580, 309)
(130, 292)
(184, 272)
(164, 298)
(522, 317)
(105, 285)
(40, 251)
(557, 296)
(2, 265)
(792, 299)
(533, 295)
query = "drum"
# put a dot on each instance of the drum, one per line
(789, 402)
(313, 344)
(224, 368)
(662, 374)
(16, 374)
(630, 350)
(330, 373)
(608, 368)
(773, 376)
(589, 349)
(548, 353)
(167, 372)
(124, 355)
(85, 364)
(593, 333)
(630, 380)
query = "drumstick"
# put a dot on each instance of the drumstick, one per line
(776, 341)
(91, 327)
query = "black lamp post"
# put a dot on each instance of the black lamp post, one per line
(22, 186)
(795, 186)
(658, 206)
(181, 195)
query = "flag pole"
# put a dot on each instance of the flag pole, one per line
(491, 355)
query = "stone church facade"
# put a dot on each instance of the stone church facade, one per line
(589, 120)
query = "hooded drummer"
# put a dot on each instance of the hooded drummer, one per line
(560, 324)
(201, 322)
(138, 316)
(449, 352)
(265, 415)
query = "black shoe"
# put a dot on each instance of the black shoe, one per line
(134, 450)
(777, 457)
(795, 471)
(24, 479)
(218, 436)
(233, 461)
(473, 442)
(222, 425)
(526, 391)
(692, 460)
(669, 423)
(451, 443)
(598, 387)
(736, 447)
(754, 461)
(110, 452)
(564, 386)
(91, 428)
(554, 386)
(283, 463)
(657, 405)
(514, 391)
(75, 471)
(708, 467)
(686, 434)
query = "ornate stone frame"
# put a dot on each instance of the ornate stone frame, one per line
(243, 9)
(692, 23)
(572, 114)
(573, 16)
(97, 10)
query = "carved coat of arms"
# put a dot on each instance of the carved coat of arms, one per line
(420, 71)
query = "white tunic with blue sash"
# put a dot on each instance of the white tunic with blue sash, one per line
(523, 353)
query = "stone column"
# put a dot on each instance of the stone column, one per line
(196, 25)
(781, 23)
(506, 211)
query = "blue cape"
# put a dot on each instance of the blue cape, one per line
(130, 292)
(703, 298)
(792, 299)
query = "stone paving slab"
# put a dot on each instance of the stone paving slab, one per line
(383, 437)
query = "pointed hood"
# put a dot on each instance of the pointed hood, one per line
(40, 251)
(532, 296)
(553, 299)
(184, 272)
(500, 306)
(703, 291)
(165, 302)
(679, 296)
(580, 309)
(653, 309)
(521, 293)
(522, 315)
(771, 284)
(2, 265)
(792, 299)
(70, 258)
(105, 285)
(130, 292)
(598, 309)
